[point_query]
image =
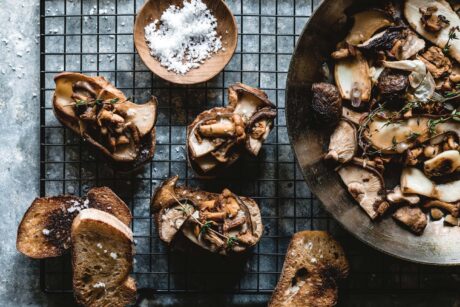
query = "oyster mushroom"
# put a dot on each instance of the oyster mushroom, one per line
(217, 137)
(440, 38)
(366, 24)
(410, 46)
(445, 163)
(353, 79)
(221, 223)
(406, 132)
(343, 142)
(397, 196)
(326, 103)
(411, 217)
(366, 186)
(414, 181)
(92, 107)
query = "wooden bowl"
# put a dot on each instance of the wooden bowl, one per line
(438, 245)
(226, 27)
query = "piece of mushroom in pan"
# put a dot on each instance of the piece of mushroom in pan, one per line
(220, 223)
(122, 131)
(394, 106)
(217, 137)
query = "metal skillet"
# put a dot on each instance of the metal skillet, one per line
(438, 245)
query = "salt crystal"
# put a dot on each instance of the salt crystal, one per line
(46, 231)
(99, 285)
(113, 255)
(184, 37)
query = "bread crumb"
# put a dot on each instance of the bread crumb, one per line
(46, 231)
(113, 255)
(99, 285)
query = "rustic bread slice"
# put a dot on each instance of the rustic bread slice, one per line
(314, 261)
(45, 228)
(102, 257)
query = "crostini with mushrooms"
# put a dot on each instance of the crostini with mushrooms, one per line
(124, 132)
(218, 137)
(222, 223)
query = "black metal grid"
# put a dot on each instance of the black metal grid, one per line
(95, 37)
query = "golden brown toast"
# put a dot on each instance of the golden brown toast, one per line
(45, 228)
(314, 261)
(102, 257)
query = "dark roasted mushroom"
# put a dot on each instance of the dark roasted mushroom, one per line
(431, 21)
(392, 83)
(92, 107)
(222, 223)
(384, 40)
(326, 103)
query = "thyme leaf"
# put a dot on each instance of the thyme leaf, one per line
(231, 241)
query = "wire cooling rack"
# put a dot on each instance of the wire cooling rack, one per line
(95, 37)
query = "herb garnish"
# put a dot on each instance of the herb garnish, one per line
(452, 36)
(114, 100)
(231, 241)
(205, 227)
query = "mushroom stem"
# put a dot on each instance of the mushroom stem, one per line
(219, 129)
(453, 209)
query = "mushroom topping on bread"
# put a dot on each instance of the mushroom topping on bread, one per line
(217, 137)
(92, 107)
(221, 223)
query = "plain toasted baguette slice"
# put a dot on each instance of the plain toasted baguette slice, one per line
(102, 257)
(314, 261)
(45, 228)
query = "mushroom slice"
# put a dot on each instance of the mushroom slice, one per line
(92, 107)
(352, 116)
(246, 100)
(366, 185)
(221, 223)
(366, 24)
(411, 217)
(397, 196)
(414, 181)
(411, 45)
(258, 128)
(405, 133)
(413, 14)
(445, 163)
(353, 78)
(343, 143)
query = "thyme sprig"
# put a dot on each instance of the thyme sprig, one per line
(452, 36)
(413, 136)
(230, 241)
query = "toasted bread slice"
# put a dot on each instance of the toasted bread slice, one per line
(173, 217)
(314, 261)
(45, 228)
(102, 257)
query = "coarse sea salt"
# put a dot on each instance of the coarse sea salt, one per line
(184, 37)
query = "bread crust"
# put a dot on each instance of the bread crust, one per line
(35, 236)
(314, 262)
(123, 288)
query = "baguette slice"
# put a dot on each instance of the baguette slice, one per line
(102, 257)
(45, 228)
(314, 261)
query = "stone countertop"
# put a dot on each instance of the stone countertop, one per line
(19, 178)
